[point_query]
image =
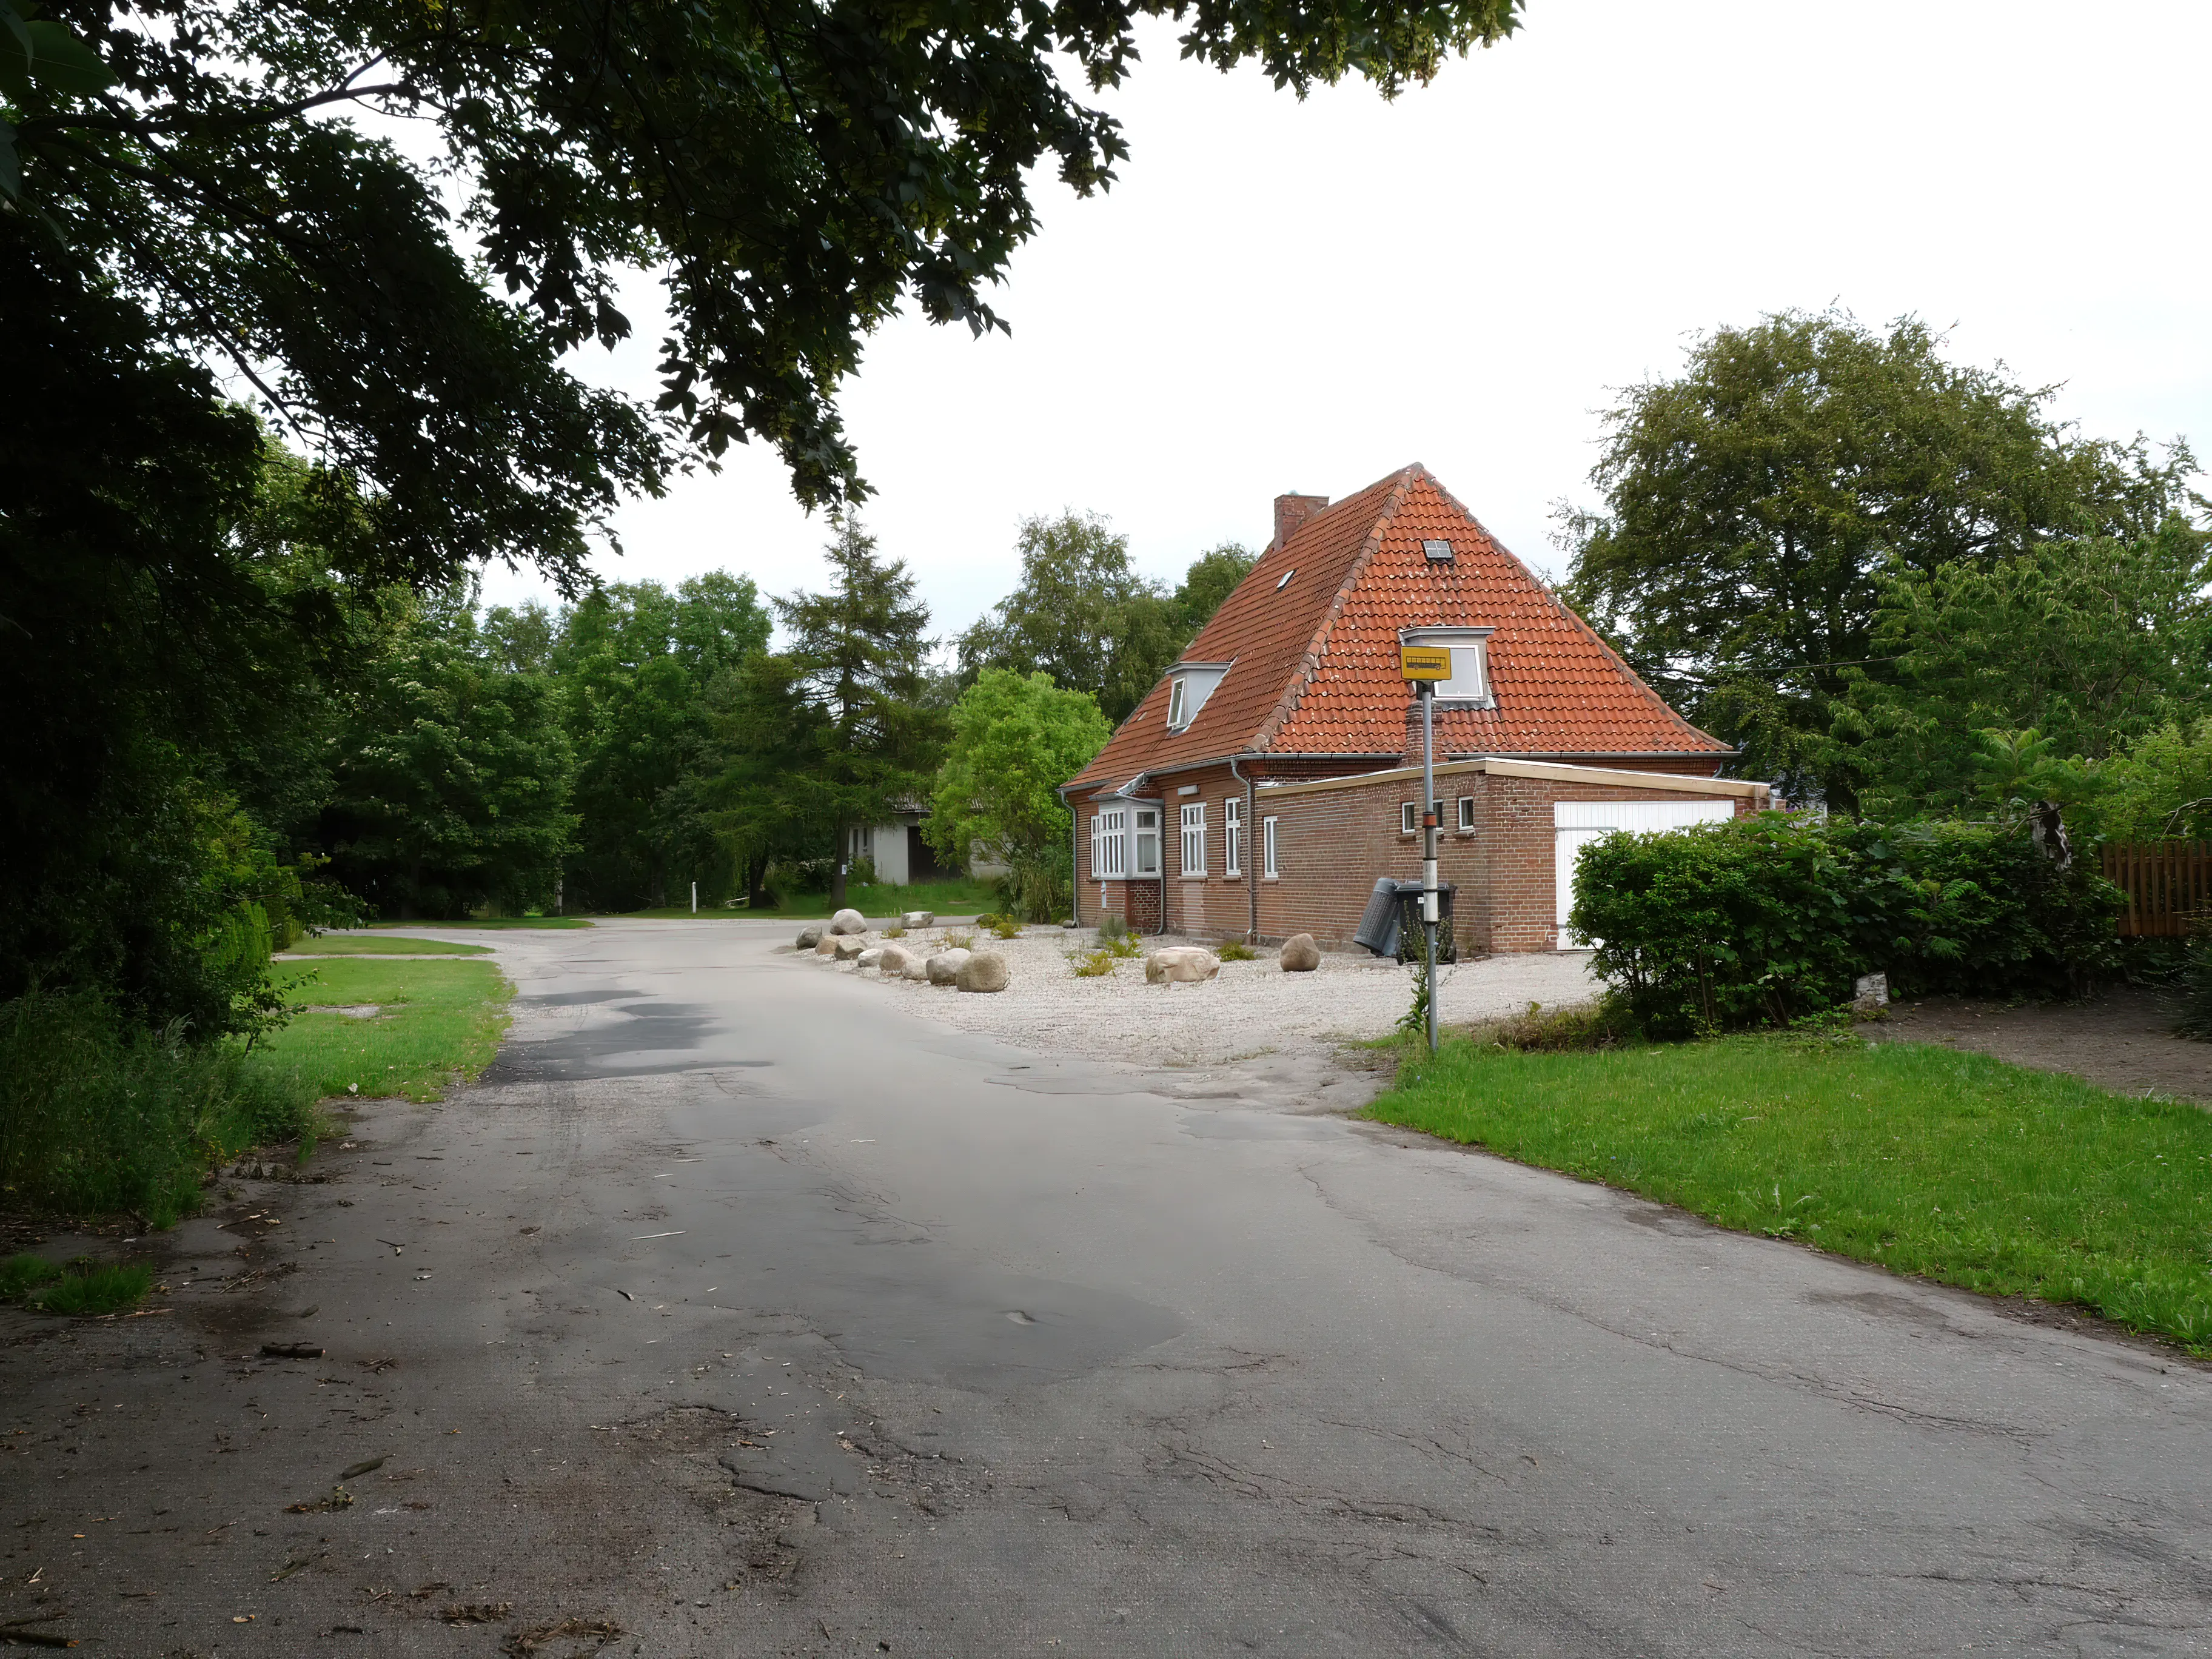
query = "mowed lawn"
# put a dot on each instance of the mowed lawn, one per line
(1953, 1166)
(382, 944)
(434, 1024)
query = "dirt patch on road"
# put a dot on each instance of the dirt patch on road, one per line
(2123, 1040)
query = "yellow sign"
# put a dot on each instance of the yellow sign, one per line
(1424, 662)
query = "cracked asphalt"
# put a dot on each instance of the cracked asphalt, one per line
(740, 1312)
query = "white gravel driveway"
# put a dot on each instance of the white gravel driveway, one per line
(1253, 1008)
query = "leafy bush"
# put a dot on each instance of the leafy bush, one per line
(1111, 928)
(1093, 964)
(1763, 921)
(97, 1115)
(1040, 888)
(1234, 950)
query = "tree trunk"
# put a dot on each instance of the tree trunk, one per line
(837, 873)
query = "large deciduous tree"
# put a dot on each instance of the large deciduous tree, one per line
(1754, 504)
(1083, 615)
(1014, 739)
(451, 777)
(795, 172)
(2091, 643)
(636, 663)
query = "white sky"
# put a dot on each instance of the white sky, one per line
(1283, 296)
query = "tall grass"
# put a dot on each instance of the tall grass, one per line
(96, 1116)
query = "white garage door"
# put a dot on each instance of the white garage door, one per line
(1576, 824)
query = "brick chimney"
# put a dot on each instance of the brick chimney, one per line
(1292, 511)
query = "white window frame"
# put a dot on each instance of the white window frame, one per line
(1109, 844)
(1466, 814)
(1470, 660)
(1146, 838)
(1178, 694)
(1232, 834)
(1267, 865)
(1192, 846)
(1409, 816)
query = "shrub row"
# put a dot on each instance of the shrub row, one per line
(1765, 920)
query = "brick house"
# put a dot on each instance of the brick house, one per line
(1272, 775)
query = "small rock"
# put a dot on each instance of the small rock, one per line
(1182, 964)
(848, 922)
(984, 970)
(944, 968)
(917, 966)
(869, 958)
(1870, 995)
(891, 961)
(825, 946)
(914, 919)
(1300, 954)
(810, 936)
(846, 948)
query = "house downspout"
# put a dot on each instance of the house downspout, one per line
(1074, 858)
(1244, 856)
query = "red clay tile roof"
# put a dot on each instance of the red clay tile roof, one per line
(1315, 662)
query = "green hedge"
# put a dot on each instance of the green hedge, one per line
(1765, 919)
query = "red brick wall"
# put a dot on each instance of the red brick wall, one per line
(1137, 901)
(1217, 907)
(1333, 843)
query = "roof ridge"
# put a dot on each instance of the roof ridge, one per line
(1301, 675)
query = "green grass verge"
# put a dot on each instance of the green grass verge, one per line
(377, 945)
(947, 898)
(495, 923)
(1953, 1166)
(436, 1021)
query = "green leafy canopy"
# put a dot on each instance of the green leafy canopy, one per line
(793, 173)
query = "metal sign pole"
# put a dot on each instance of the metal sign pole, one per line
(1429, 843)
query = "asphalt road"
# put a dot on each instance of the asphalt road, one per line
(743, 1314)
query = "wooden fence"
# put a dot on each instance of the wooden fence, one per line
(2168, 884)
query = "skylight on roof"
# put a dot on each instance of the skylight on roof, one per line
(1440, 551)
(1285, 582)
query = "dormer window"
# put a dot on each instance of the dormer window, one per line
(1470, 658)
(1190, 684)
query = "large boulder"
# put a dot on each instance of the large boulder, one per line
(810, 936)
(1300, 954)
(984, 970)
(1181, 964)
(826, 945)
(891, 961)
(872, 956)
(944, 968)
(848, 948)
(848, 922)
(915, 921)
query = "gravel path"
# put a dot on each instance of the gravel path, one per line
(1253, 1008)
